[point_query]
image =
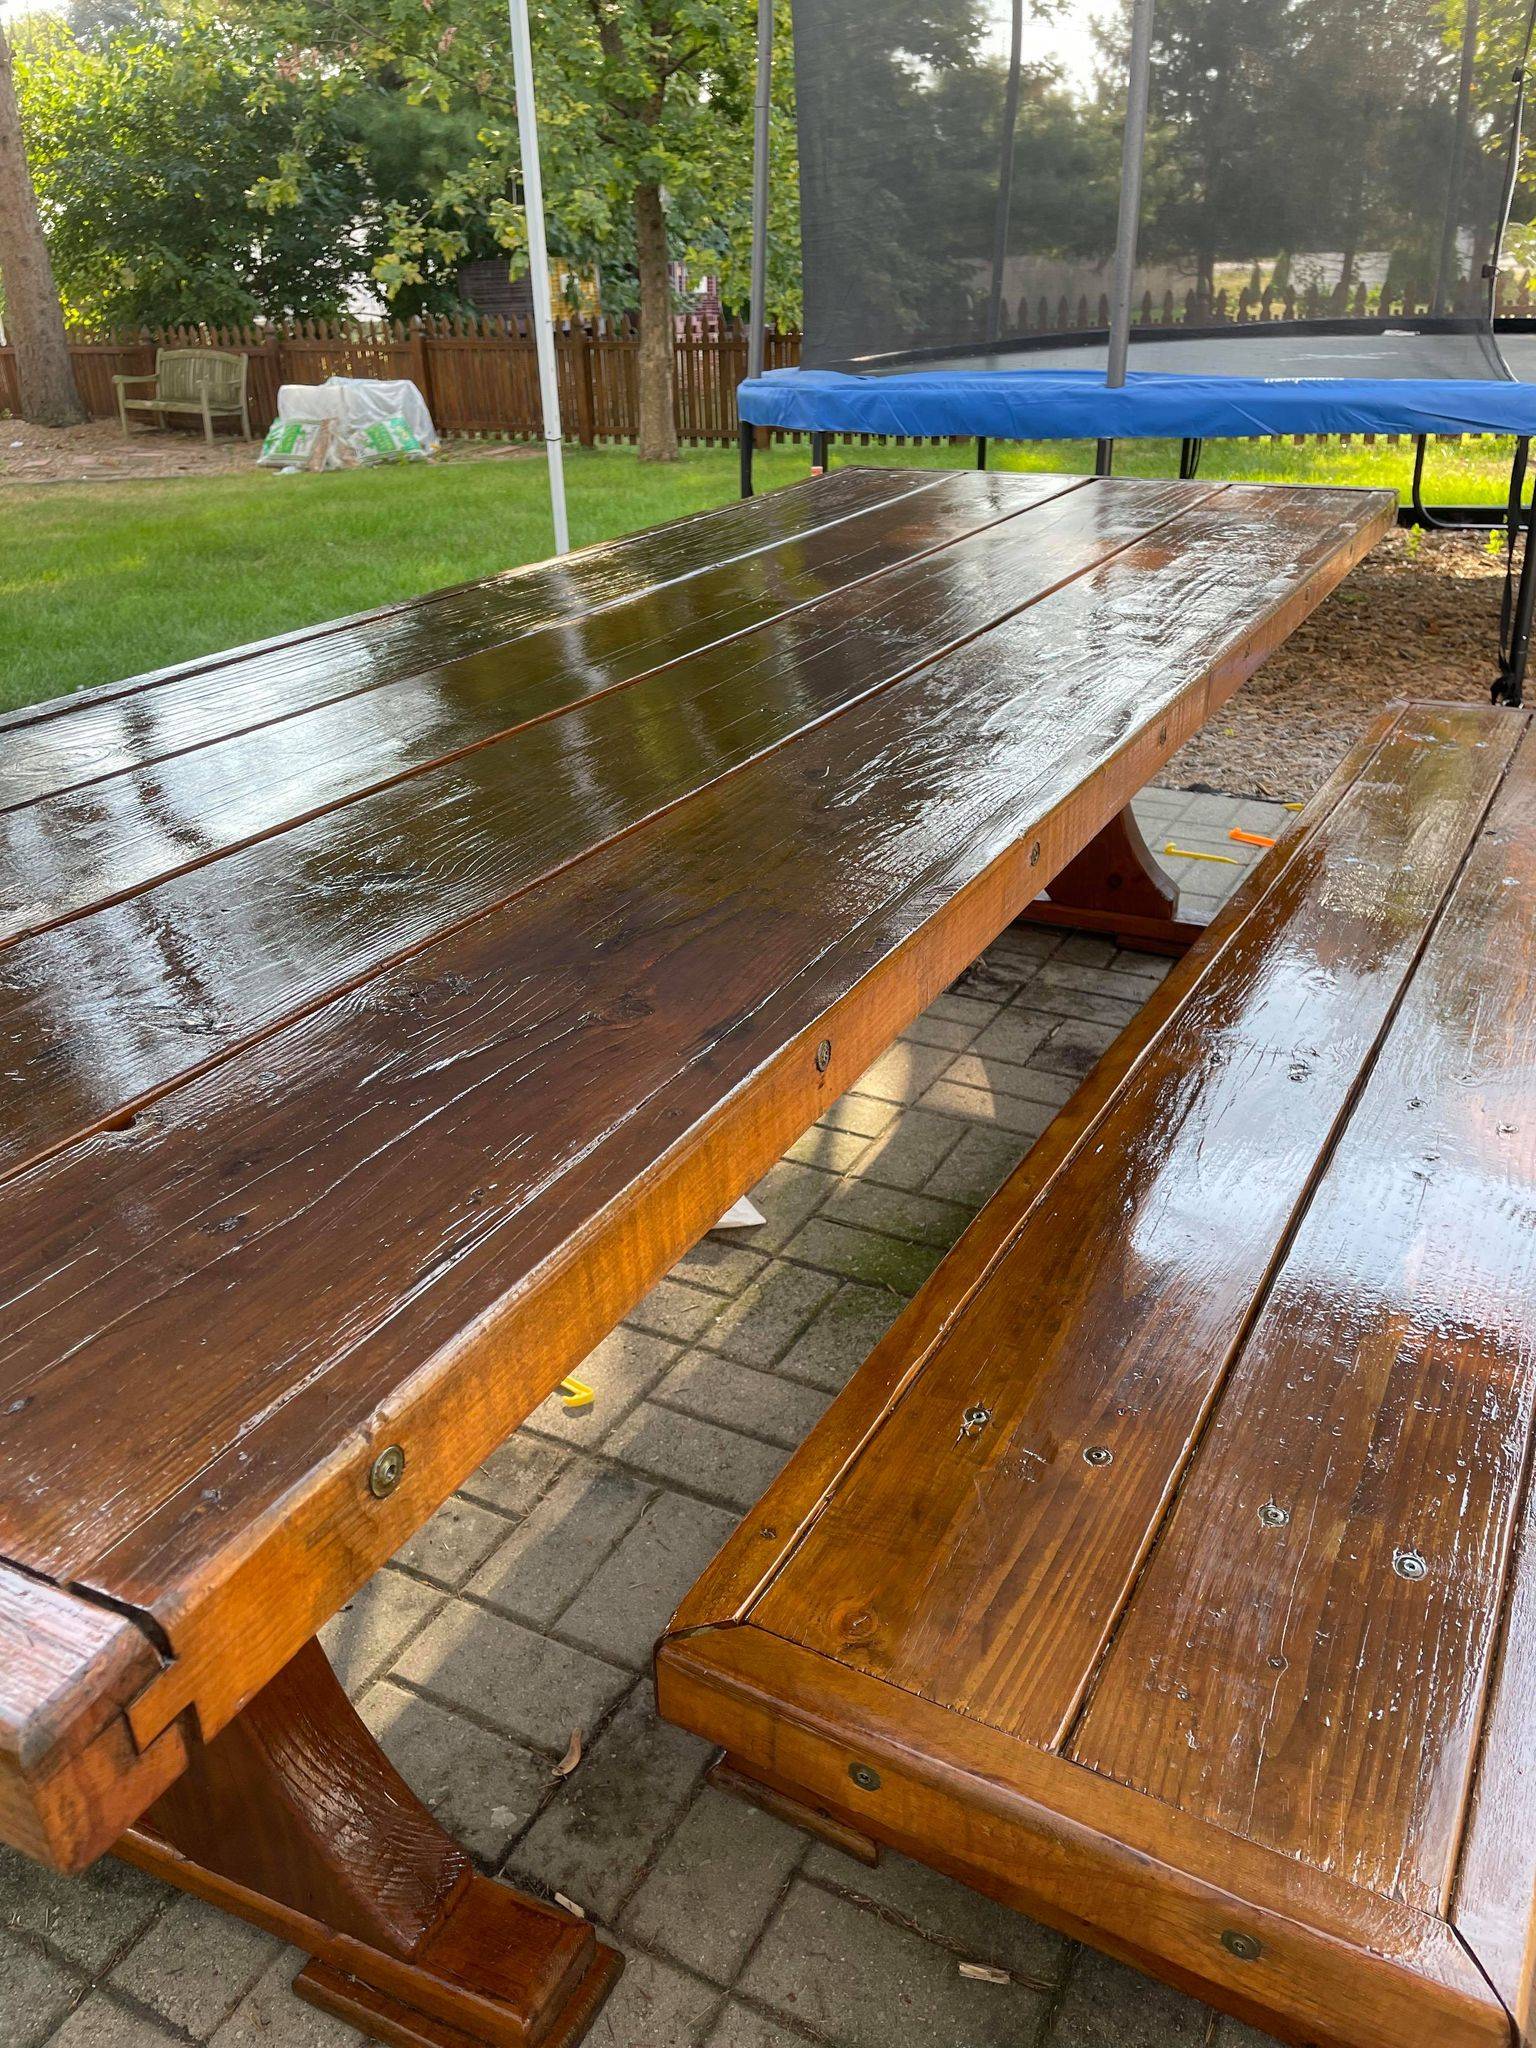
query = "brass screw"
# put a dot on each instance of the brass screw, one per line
(823, 1055)
(1246, 1947)
(386, 1471)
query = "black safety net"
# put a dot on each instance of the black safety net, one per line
(1305, 161)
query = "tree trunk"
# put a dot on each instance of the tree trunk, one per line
(658, 424)
(45, 376)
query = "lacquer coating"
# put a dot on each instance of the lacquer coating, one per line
(1108, 1326)
(383, 1009)
(1288, 1682)
(59, 745)
(1167, 1570)
(479, 1100)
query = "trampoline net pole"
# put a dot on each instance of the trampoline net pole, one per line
(1138, 86)
(762, 112)
(757, 308)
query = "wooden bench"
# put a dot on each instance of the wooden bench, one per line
(209, 382)
(1162, 1571)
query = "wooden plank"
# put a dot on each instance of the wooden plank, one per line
(70, 1777)
(112, 838)
(1289, 1682)
(984, 1572)
(411, 1232)
(1336, 1967)
(66, 740)
(156, 987)
(1494, 1903)
(728, 1586)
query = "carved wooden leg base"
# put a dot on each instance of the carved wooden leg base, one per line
(294, 1819)
(388, 2019)
(1116, 887)
(733, 1777)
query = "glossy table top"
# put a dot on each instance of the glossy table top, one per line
(383, 1008)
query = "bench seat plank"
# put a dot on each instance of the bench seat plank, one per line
(395, 1196)
(1322, 1307)
(60, 744)
(1110, 1320)
(1286, 1682)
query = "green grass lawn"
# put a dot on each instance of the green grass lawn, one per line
(100, 581)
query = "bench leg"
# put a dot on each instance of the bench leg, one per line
(1116, 887)
(294, 1819)
(730, 1775)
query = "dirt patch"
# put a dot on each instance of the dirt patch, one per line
(1418, 618)
(100, 453)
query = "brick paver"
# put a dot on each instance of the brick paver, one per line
(526, 1610)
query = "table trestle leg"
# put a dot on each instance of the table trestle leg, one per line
(294, 1819)
(1115, 886)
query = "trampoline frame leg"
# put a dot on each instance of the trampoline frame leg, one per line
(746, 440)
(981, 451)
(1515, 653)
(1104, 458)
(819, 441)
(1190, 452)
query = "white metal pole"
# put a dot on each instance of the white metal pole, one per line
(1124, 283)
(538, 267)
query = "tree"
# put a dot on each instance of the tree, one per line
(645, 131)
(43, 370)
(167, 161)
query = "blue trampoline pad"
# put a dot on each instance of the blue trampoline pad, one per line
(1076, 404)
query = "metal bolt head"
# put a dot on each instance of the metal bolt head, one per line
(1409, 1564)
(386, 1471)
(1246, 1947)
(823, 1055)
(1273, 1516)
(1034, 853)
(865, 1776)
(1098, 1454)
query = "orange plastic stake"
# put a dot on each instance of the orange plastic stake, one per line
(1249, 838)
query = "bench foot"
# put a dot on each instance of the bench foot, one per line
(294, 1819)
(1116, 887)
(731, 1776)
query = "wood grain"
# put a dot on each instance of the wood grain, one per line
(98, 1014)
(63, 743)
(1337, 1968)
(295, 1819)
(727, 1588)
(375, 1157)
(70, 1776)
(984, 1572)
(1287, 1682)
(111, 838)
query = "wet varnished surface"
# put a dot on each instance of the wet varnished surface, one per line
(1229, 1575)
(355, 1063)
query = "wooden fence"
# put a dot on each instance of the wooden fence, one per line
(480, 375)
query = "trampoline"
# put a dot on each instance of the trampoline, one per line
(1175, 219)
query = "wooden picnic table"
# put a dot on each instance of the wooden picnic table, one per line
(385, 1008)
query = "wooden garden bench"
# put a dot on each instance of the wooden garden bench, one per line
(206, 381)
(1169, 1570)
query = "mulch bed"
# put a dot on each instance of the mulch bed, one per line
(1418, 618)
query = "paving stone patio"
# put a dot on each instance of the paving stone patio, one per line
(529, 1605)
